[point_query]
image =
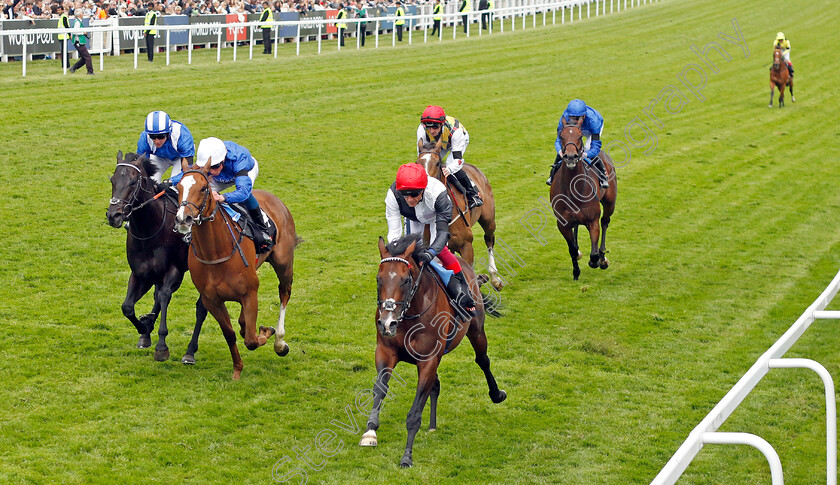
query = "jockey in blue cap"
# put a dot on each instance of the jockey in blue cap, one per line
(592, 126)
(165, 143)
(233, 165)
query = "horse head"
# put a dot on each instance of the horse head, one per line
(428, 155)
(194, 197)
(395, 284)
(130, 186)
(777, 58)
(571, 138)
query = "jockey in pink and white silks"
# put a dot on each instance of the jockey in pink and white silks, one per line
(435, 125)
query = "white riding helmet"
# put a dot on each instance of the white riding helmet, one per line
(211, 149)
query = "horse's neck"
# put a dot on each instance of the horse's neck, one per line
(212, 236)
(148, 219)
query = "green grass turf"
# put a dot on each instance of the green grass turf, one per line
(722, 236)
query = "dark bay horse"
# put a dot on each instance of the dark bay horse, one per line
(415, 324)
(779, 78)
(156, 255)
(223, 264)
(576, 198)
(460, 228)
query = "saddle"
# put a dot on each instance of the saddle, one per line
(248, 225)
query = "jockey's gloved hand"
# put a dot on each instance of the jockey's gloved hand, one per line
(161, 186)
(425, 257)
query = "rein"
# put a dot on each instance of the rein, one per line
(451, 191)
(128, 209)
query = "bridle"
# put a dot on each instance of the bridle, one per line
(389, 304)
(128, 209)
(200, 208)
(577, 144)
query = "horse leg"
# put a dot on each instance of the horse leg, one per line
(248, 322)
(490, 242)
(192, 348)
(433, 403)
(771, 95)
(594, 234)
(426, 376)
(220, 313)
(570, 235)
(790, 85)
(136, 289)
(478, 340)
(781, 96)
(284, 274)
(386, 360)
(603, 262)
(163, 295)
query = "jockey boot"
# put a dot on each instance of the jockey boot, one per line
(470, 190)
(790, 69)
(554, 168)
(601, 172)
(262, 240)
(459, 291)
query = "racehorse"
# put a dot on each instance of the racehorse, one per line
(156, 255)
(460, 228)
(223, 264)
(576, 198)
(779, 78)
(421, 337)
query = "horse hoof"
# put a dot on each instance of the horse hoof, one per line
(604, 264)
(144, 342)
(406, 463)
(593, 264)
(368, 439)
(501, 396)
(580, 255)
(792, 99)
(236, 374)
(162, 355)
(284, 352)
(188, 359)
(770, 105)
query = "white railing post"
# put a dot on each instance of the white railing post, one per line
(136, 48)
(376, 36)
(754, 441)
(219, 46)
(276, 30)
(167, 47)
(298, 40)
(319, 38)
(189, 45)
(251, 42)
(23, 57)
(830, 408)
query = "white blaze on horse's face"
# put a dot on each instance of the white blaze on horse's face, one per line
(426, 158)
(186, 183)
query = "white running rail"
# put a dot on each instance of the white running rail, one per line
(706, 431)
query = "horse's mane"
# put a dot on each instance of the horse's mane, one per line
(150, 168)
(398, 246)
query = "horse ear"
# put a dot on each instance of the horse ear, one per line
(206, 167)
(382, 251)
(119, 156)
(420, 144)
(580, 121)
(409, 250)
(439, 144)
(184, 165)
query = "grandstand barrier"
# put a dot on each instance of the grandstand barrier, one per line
(706, 432)
(24, 39)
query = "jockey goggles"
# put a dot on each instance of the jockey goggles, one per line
(430, 124)
(411, 193)
(160, 136)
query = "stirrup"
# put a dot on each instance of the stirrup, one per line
(476, 201)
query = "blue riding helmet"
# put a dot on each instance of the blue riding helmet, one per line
(158, 123)
(576, 108)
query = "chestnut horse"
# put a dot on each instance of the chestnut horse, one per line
(576, 198)
(415, 324)
(156, 255)
(779, 78)
(460, 228)
(223, 264)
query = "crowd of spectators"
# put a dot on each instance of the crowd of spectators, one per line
(103, 9)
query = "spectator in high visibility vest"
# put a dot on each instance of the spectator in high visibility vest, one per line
(437, 12)
(465, 7)
(400, 22)
(80, 41)
(342, 14)
(63, 23)
(151, 20)
(267, 17)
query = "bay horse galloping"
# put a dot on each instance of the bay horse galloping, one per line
(415, 324)
(460, 228)
(223, 264)
(779, 78)
(156, 255)
(576, 198)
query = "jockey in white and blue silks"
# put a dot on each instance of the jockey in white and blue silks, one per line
(232, 165)
(592, 127)
(165, 143)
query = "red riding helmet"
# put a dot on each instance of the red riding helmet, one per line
(433, 114)
(412, 176)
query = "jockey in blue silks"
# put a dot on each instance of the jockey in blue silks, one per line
(233, 165)
(165, 142)
(592, 126)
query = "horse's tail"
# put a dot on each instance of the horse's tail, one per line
(298, 240)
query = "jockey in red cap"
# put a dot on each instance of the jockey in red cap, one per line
(423, 202)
